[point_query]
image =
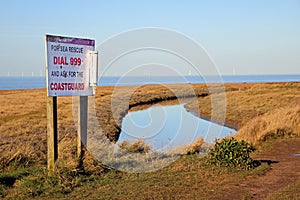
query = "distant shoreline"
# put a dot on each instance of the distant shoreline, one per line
(21, 83)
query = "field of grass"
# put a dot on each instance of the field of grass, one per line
(260, 111)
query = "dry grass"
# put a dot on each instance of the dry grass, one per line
(287, 193)
(281, 122)
(23, 113)
(22, 127)
(195, 147)
(137, 146)
(247, 101)
(23, 135)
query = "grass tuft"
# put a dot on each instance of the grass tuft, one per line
(195, 147)
(137, 146)
(279, 123)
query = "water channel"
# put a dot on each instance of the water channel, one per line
(168, 127)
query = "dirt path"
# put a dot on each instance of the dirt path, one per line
(285, 168)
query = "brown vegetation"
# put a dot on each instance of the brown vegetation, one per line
(195, 147)
(260, 111)
(137, 146)
(23, 113)
(279, 123)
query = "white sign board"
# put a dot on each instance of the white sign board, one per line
(67, 66)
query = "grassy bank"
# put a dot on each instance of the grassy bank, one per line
(260, 111)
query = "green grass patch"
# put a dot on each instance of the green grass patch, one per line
(30, 182)
(187, 177)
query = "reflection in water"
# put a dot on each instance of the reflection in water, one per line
(167, 127)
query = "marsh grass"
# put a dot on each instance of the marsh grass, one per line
(137, 146)
(23, 145)
(195, 147)
(283, 122)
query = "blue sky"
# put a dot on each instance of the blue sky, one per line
(248, 37)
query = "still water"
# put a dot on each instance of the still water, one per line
(167, 127)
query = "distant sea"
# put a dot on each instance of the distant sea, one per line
(15, 83)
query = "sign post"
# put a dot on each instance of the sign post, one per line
(82, 128)
(52, 152)
(69, 72)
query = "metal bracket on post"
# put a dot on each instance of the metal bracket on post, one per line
(92, 66)
(93, 69)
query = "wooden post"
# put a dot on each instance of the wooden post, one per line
(52, 145)
(82, 128)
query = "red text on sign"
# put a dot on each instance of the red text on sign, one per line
(75, 61)
(60, 60)
(63, 61)
(66, 86)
